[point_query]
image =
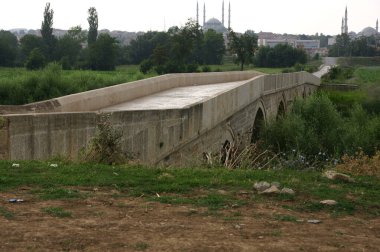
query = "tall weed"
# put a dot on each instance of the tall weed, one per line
(314, 129)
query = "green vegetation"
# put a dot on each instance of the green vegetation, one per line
(368, 94)
(105, 146)
(57, 212)
(243, 46)
(18, 86)
(314, 131)
(347, 47)
(280, 56)
(6, 213)
(58, 193)
(178, 50)
(141, 246)
(215, 189)
(359, 61)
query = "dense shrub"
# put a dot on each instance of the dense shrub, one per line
(338, 74)
(279, 56)
(36, 60)
(105, 147)
(314, 126)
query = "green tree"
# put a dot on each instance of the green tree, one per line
(36, 60)
(143, 46)
(184, 41)
(8, 48)
(214, 47)
(282, 55)
(69, 47)
(47, 31)
(102, 54)
(243, 47)
(364, 47)
(30, 42)
(93, 26)
(342, 47)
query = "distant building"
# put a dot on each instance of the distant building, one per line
(214, 23)
(307, 44)
(366, 32)
(273, 42)
(310, 46)
(331, 41)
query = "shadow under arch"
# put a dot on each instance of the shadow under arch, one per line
(257, 125)
(280, 110)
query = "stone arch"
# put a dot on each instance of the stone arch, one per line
(258, 123)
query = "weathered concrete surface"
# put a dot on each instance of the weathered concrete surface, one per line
(105, 97)
(166, 134)
(175, 98)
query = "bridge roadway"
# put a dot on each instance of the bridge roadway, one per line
(181, 97)
(175, 98)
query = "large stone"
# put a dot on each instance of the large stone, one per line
(287, 191)
(333, 175)
(277, 184)
(271, 190)
(261, 186)
(328, 202)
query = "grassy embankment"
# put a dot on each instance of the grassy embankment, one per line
(213, 188)
(364, 72)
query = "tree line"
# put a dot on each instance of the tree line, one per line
(359, 47)
(77, 49)
(184, 49)
(180, 49)
(177, 50)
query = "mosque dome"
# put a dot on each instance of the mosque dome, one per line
(368, 32)
(214, 24)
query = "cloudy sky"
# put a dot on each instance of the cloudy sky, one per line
(279, 16)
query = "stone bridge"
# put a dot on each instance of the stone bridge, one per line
(166, 119)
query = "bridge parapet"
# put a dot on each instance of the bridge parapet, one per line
(94, 100)
(287, 80)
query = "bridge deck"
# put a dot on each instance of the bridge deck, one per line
(175, 98)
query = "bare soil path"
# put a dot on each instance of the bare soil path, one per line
(108, 222)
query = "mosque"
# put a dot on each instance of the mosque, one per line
(366, 32)
(214, 23)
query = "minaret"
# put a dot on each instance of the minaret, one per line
(223, 13)
(229, 15)
(197, 13)
(377, 25)
(204, 14)
(342, 27)
(346, 22)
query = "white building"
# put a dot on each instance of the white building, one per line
(307, 44)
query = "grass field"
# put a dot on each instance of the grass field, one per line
(368, 94)
(90, 207)
(359, 61)
(180, 186)
(19, 86)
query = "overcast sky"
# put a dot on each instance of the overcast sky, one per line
(279, 16)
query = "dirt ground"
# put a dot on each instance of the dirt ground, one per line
(105, 223)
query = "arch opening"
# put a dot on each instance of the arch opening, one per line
(257, 125)
(280, 110)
